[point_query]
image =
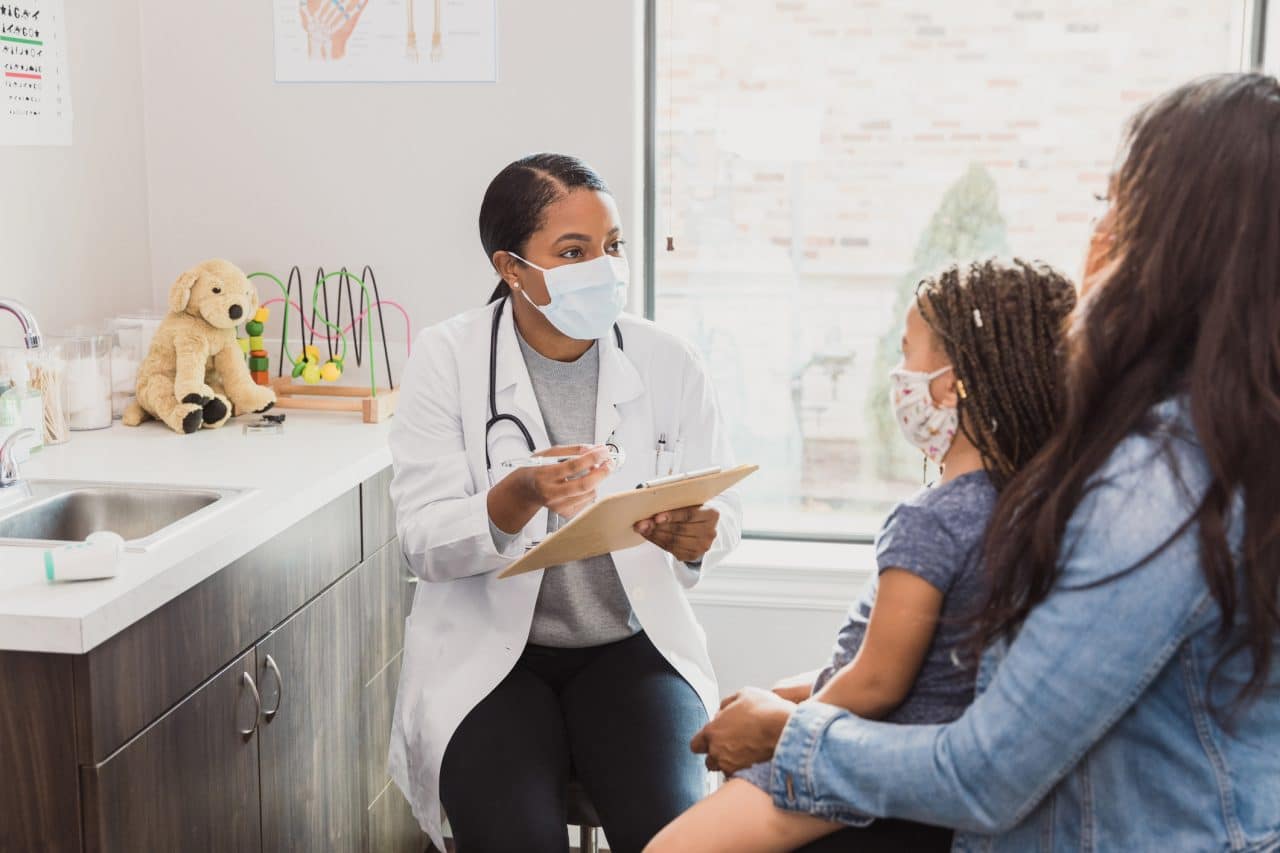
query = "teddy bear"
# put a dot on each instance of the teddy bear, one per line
(195, 374)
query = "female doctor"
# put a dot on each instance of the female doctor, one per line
(595, 670)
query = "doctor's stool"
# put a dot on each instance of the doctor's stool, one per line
(582, 814)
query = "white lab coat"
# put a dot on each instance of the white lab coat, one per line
(467, 627)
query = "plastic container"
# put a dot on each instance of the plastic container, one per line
(21, 404)
(132, 335)
(86, 371)
(45, 369)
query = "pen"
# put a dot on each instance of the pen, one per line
(677, 478)
(616, 454)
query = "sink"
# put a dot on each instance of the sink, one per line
(61, 511)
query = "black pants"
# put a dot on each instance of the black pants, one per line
(618, 717)
(885, 836)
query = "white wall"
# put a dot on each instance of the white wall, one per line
(73, 220)
(270, 175)
(773, 610)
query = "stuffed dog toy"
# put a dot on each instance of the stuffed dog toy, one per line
(195, 374)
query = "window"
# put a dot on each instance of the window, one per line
(811, 160)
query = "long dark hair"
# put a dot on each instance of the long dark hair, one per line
(515, 200)
(1188, 305)
(1001, 326)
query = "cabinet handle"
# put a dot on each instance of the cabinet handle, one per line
(247, 680)
(275, 670)
(410, 579)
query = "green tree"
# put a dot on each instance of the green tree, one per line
(967, 225)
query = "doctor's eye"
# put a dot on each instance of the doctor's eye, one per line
(617, 246)
(571, 254)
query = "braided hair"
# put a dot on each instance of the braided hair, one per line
(1002, 327)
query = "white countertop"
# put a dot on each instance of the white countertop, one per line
(319, 457)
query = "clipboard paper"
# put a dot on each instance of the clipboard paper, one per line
(607, 525)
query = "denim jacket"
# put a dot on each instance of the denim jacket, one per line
(1093, 729)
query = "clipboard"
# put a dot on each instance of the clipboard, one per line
(607, 525)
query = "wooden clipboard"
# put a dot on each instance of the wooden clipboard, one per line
(607, 525)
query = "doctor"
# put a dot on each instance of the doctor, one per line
(596, 670)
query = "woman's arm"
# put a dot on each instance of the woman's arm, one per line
(1080, 661)
(898, 635)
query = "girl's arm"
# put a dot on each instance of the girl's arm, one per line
(798, 687)
(898, 636)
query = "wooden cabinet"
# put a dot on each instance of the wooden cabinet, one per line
(392, 827)
(189, 781)
(309, 743)
(251, 713)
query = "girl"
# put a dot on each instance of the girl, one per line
(1130, 697)
(977, 392)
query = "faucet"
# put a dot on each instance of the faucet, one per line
(30, 329)
(10, 475)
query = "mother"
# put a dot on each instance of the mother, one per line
(1130, 698)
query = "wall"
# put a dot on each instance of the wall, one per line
(271, 175)
(73, 220)
(773, 609)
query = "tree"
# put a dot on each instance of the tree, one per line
(966, 226)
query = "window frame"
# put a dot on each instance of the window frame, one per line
(1253, 56)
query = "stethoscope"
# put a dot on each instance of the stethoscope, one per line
(494, 417)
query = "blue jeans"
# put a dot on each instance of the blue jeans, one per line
(618, 717)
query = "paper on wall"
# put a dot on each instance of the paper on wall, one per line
(35, 95)
(318, 41)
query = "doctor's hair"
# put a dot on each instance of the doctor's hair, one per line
(514, 203)
(1002, 326)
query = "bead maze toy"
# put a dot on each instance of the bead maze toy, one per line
(313, 376)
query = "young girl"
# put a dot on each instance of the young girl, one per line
(977, 392)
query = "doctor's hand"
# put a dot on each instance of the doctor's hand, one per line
(565, 489)
(687, 534)
(745, 731)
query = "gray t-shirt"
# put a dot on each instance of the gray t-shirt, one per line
(937, 535)
(581, 603)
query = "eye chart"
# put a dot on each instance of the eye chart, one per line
(35, 98)
(385, 41)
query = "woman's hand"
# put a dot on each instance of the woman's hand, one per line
(745, 732)
(565, 489)
(687, 534)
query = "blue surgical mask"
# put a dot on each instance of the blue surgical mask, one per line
(586, 298)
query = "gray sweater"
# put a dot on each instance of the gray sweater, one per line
(580, 603)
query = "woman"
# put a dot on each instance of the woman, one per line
(595, 670)
(1131, 697)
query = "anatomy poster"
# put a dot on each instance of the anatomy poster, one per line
(35, 99)
(385, 40)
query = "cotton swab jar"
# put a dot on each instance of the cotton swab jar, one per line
(86, 372)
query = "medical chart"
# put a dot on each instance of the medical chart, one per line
(35, 96)
(385, 41)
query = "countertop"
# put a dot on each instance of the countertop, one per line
(319, 457)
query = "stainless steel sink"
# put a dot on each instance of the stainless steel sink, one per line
(61, 511)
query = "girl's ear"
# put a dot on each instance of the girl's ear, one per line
(945, 390)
